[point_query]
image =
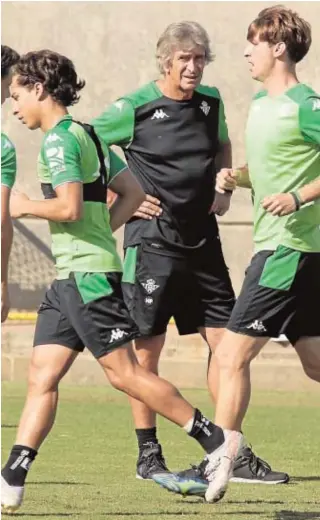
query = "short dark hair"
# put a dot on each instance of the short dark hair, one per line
(55, 71)
(9, 57)
(279, 24)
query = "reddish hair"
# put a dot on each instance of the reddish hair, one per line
(278, 24)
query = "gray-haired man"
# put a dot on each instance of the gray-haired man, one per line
(174, 135)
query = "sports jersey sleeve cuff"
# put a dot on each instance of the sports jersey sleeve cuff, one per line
(116, 175)
(66, 182)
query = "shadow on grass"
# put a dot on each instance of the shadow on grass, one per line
(40, 515)
(62, 483)
(9, 426)
(181, 513)
(314, 478)
(297, 515)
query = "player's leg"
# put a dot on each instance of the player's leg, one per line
(145, 290)
(104, 325)
(150, 459)
(260, 312)
(305, 335)
(55, 348)
(308, 350)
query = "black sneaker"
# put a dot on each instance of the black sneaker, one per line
(251, 469)
(248, 469)
(150, 461)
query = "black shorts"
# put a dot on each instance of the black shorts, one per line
(87, 309)
(280, 295)
(194, 288)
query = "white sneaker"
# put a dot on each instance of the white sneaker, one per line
(219, 468)
(11, 497)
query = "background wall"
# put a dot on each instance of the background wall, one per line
(113, 45)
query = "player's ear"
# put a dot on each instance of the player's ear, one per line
(167, 65)
(279, 49)
(39, 90)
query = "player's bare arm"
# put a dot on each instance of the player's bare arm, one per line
(282, 204)
(221, 203)
(66, 206)
(229, 179)
(130, 196)
(6, 243)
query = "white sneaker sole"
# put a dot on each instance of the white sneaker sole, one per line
(253, 481)
(141, 478)
(11, 497)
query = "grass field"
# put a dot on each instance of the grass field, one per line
(86, 470)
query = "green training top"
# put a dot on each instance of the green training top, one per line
(283, 154)
(68, 154)
(8, 162)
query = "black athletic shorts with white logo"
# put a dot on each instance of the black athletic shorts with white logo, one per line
(280, 295)
(85, 310)
(194, 288)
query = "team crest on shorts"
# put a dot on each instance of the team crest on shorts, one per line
(150, 285)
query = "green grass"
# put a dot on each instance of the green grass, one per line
(86, 470)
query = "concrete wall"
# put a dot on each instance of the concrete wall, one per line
(113, 44)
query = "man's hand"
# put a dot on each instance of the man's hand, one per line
(280, 204)
(5, 302)
(149, 209)
(221, 203)
(226, 180)
(17, 201)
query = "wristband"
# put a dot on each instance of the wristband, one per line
(297, 199)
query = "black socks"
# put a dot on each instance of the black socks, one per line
(209, 436)
(18, 465)
(146, 435)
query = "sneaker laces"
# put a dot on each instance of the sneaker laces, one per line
(154, 457)
(255, 463)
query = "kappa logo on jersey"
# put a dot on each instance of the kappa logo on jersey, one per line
(117, 334)
(119, 105)
(56, 159)
(159, 114)
(316, 105)
(52, 138)
(257, 325)
(205, 107)
(150, 285)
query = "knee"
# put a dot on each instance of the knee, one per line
(42, 380)
(231, 359)
(123, 380)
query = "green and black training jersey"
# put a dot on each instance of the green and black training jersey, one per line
(170, 146)
(283, 154)
(8, 162)
(68, 154)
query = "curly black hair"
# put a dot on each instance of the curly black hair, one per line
(54, 71)
(9, 57)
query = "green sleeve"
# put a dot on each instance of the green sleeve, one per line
(223, 135)
(309, 119)
(62, 155)
(117, 165)
(116, 124)
(8, 162)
